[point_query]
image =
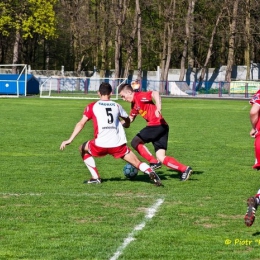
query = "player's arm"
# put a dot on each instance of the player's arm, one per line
(254, 117)
(158, 102)
(78, 127)
(126, 122)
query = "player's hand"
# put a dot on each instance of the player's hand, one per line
(157, 113)
(124, 124)
(64, 143)
(253, 133)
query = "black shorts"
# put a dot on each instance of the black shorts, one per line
(157, 135)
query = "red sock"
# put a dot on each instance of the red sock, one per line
(144, 152)
(257, 153)
(174, 164)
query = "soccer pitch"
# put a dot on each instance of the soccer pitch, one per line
(48, 213)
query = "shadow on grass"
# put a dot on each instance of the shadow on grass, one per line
(144, 177)
(176, 175)
(256, 234)
(139, 177)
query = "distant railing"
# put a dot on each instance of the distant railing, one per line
(236, 89)
(171, 88)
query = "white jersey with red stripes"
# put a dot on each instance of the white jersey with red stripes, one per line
(108, 130)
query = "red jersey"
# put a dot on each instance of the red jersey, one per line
(256, 100)
(143, 105)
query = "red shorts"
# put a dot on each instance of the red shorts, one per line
(116, 152)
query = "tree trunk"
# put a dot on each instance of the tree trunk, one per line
(79, 67)
(167, 46)
(231, 43)
(191, 59)
(203, 71)
(47, 55)
(163, 59)
(103, 32)
(16, 51)
(120, 8)
(139, 42)
(183, 60)
(117, 52)
(186, 46)
(130, 46)
(247, 37)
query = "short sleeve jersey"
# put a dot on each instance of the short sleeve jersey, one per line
(255, 99)
(143, 105)
(108, 131)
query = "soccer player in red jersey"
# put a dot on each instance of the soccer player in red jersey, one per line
(148, 105)
(255, 122)
(254, 115)
(109, 135)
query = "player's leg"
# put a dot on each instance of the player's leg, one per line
(131, 158)
(139, 145)
(252, 204)
(257, 153)
(160, 147)
(90, 162)
(173, 164)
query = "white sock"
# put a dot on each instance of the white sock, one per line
(144, 167)
(90, 163)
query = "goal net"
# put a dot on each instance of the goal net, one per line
(13, 80)
(76, 87)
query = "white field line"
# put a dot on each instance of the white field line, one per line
(3, 194)
(149, 215)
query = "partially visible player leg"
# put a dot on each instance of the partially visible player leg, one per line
(160, 147)
(138, 144)
(144, 167)
(172, 163)
(257, 153)
(90, 163)
(252, 204)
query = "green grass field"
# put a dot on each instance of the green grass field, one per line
(48, 213)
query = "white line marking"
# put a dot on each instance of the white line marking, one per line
(244, 107)
(150, 214)
(75, 194)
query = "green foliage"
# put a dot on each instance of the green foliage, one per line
(48, 213)
(42, 20)
(5, 19)
(29, 17)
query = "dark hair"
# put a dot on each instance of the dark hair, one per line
(105, 89)
(125, 87)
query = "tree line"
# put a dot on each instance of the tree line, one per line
(126, 35)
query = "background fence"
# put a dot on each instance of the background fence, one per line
(88, 86)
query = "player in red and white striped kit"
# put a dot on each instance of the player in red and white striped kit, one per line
(109, 135)
(156, 131)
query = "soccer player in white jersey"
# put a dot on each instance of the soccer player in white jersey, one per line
(109, 135)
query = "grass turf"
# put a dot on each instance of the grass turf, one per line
(48, 213)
